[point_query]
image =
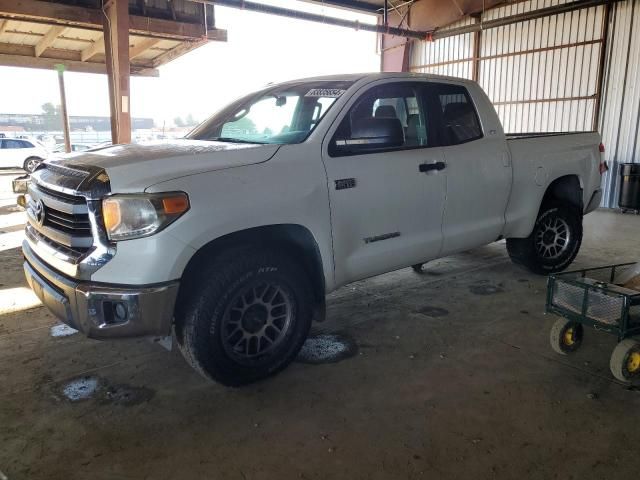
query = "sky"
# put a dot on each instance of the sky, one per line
(260, 49)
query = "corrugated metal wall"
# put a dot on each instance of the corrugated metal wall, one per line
(620, 110)
(542, 75)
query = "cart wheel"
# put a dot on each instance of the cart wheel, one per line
(566, 336)
(418, 268)
(625, 360)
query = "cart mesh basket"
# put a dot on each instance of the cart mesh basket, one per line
(594, 297)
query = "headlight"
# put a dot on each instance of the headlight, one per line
(139, 215)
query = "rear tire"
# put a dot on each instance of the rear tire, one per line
(625, 360)
(553, 243)
(31, 163)
(246, 317)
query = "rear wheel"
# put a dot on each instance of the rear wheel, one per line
(554, 242)
(247, 317)
(31, 163)
(625, 360)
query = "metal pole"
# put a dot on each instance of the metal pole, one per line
(63, 108)
(385, 14)
(312, 17)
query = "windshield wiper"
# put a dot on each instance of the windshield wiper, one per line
(236, 140)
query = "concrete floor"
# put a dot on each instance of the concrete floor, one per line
(453, 378)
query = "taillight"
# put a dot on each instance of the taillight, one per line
(603, 167)
(601, 147)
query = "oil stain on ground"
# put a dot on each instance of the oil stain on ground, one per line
(485, 289)
(431, 311)
(328, 348)
(90, 387)
(126, 395)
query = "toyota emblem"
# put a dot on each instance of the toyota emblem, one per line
(38, 211)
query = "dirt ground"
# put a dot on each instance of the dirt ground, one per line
(451, 377)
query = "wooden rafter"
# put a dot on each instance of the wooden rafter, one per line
(3, 25)
(176, 52)
(9, 60)
(92, 18)
(47, 40)
(142, 46)
(93, 49)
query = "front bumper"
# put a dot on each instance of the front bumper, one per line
(102, 311)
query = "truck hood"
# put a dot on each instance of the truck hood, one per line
(135, 167)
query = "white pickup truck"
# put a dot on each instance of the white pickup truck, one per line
(234, 235)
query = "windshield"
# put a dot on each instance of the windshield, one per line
(282, 115)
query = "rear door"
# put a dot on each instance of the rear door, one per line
(13, 153)
(478, 171)
(9, 152)
(386, 210)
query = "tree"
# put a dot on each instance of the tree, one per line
(190, 121)
(52, 116)
(179, 122)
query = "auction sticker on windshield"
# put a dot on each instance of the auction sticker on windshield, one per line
(325, 92)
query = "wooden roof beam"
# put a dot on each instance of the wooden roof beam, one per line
(92, 50)
(92, 18)
(3, 25)
(47, 40)
(7, 60)
(142, 46)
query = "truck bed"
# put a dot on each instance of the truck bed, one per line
(519, 136)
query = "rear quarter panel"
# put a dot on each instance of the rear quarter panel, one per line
(537, 162)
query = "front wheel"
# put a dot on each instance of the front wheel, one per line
(247, 317)
(554, 242)
(566, 336)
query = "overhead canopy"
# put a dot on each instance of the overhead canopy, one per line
(41, 34)
(426, 15)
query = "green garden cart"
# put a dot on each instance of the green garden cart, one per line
(595, 298)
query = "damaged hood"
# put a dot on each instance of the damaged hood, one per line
(134, 167)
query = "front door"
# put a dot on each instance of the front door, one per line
(386, 210)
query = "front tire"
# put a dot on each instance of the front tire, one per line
(247, 316)
(554, 242)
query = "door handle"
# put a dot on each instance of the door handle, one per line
(427, 167)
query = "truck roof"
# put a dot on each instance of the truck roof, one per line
(354, 77)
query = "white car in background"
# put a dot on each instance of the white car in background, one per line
(21, 153)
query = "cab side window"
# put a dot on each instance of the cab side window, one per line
(387, 117)
(460, 122)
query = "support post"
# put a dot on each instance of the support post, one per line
(601, 66)
(116, 43)
(63, 109)
(475, 68)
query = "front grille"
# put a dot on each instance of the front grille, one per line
(73, 224)
(64, 197)
(60, 218)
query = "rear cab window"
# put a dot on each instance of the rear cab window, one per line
(459, 119)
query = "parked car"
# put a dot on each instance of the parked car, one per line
(75, 147)
(21, 153)
(234, 235)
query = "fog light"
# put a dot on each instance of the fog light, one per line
(120, 312)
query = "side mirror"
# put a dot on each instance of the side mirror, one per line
(371, 134)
